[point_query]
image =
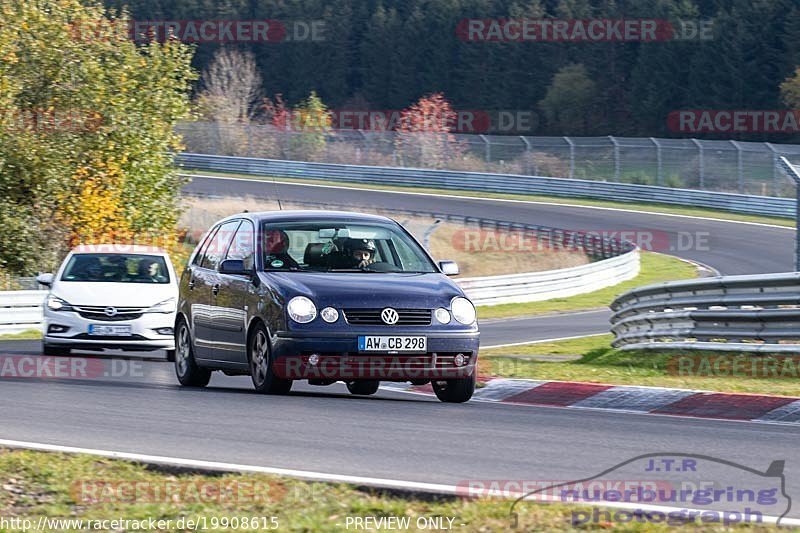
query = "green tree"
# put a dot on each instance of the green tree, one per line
(569, 100)
(86, 131)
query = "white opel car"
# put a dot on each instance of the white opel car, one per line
(111, 297)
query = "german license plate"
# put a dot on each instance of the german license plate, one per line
(392, 344)
(109, 331)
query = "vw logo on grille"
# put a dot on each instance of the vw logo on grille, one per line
(110, 311)
(390, 316)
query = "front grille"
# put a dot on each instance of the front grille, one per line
(372, 317)
(98, 313)
(106, 318)
(87, 337)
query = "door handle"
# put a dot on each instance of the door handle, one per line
(215, 289)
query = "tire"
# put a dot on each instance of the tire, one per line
(189, 374)
(455, 390)
(363, 388)
(56, 351)
(261, 369)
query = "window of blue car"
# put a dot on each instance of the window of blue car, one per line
(116, 268)
(218, 246)
(242, 247)
(334, 245)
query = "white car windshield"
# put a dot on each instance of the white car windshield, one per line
(116, 268)
(342, 246)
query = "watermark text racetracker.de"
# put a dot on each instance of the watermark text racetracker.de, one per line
(643, 30)
(46, 367)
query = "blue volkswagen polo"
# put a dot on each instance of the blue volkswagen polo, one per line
(323, 296)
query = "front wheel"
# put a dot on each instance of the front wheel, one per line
(363, 388)
(261, 369)
(189, 374)
(455, 390)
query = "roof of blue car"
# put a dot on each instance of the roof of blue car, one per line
(309, 215)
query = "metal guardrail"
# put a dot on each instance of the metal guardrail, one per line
(561, 283)
(754, 313)
(485, 182)
(21, 310)
(710, 165)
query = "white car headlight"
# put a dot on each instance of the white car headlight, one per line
(167, 306)
(54, 303)
(302, 310)
(463, 310)
(442, 315)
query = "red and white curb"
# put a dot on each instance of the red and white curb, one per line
(645, 400)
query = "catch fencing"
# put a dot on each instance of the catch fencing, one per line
(747, 168)
(754, 313)
(488, 182)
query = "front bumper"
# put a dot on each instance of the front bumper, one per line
(338, 357)
(144, 336)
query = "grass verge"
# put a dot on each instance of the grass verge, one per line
(642, 207)
(594, 360)
(27, 335)
(80, 487)
(655, 269)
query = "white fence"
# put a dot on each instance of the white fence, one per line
(561, 283)
(21, 310)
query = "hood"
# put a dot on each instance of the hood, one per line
(114, 294)
(355, 289)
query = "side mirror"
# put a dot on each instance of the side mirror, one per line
(234, 267)
(449, 268)
(45, 279)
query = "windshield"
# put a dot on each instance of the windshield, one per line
(116, 268)
(339, 246)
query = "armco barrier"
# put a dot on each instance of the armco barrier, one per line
(498, 183)
(561, 283)
(21, 310)
(755, 313)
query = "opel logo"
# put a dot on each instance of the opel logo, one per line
(390, 316)
(110, 311)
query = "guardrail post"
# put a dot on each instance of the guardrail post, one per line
(739, 166)
(701, 164)
(793, 173)
(529, 157)
(659, 162)
(571, 157)
(487, 148)
(775, 160)
(616, 157)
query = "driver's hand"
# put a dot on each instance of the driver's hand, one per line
(365, 263)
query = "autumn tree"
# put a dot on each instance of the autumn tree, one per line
(424, 135)
(86, 132)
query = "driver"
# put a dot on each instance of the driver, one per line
(276, 249)
(361, 252)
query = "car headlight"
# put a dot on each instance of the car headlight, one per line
(302, 310)
(442, 315)
(463, 310)
(167, 306)
(54, 303)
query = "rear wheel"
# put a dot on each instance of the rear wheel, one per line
(455, 390)
(363, 388)
(57, 351)
(189, 374)
(261, 369)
